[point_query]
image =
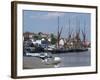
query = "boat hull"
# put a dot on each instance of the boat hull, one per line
(61, 50)
(66, 51)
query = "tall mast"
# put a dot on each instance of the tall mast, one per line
(78, 30)
(58, 25)
(58, 34)
(69, 33)
(83, 32)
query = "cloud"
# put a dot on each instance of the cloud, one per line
(48, 15)
(54, 14)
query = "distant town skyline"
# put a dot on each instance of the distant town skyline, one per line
(47, 22)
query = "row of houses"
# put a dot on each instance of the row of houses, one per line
(44, 39)
(41, 38)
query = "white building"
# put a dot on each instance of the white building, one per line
(61, 42)
(36, 42)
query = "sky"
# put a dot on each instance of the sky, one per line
(47, 22)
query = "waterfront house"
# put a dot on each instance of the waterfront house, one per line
(28, 35)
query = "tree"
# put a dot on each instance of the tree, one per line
(53, 39)
(36, 37)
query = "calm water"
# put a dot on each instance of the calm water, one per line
(75, 59)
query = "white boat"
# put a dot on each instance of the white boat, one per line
(33, 54)
(52, 61)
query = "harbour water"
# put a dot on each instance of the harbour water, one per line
(74, 59)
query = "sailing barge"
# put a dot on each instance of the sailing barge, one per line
(73, 44)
